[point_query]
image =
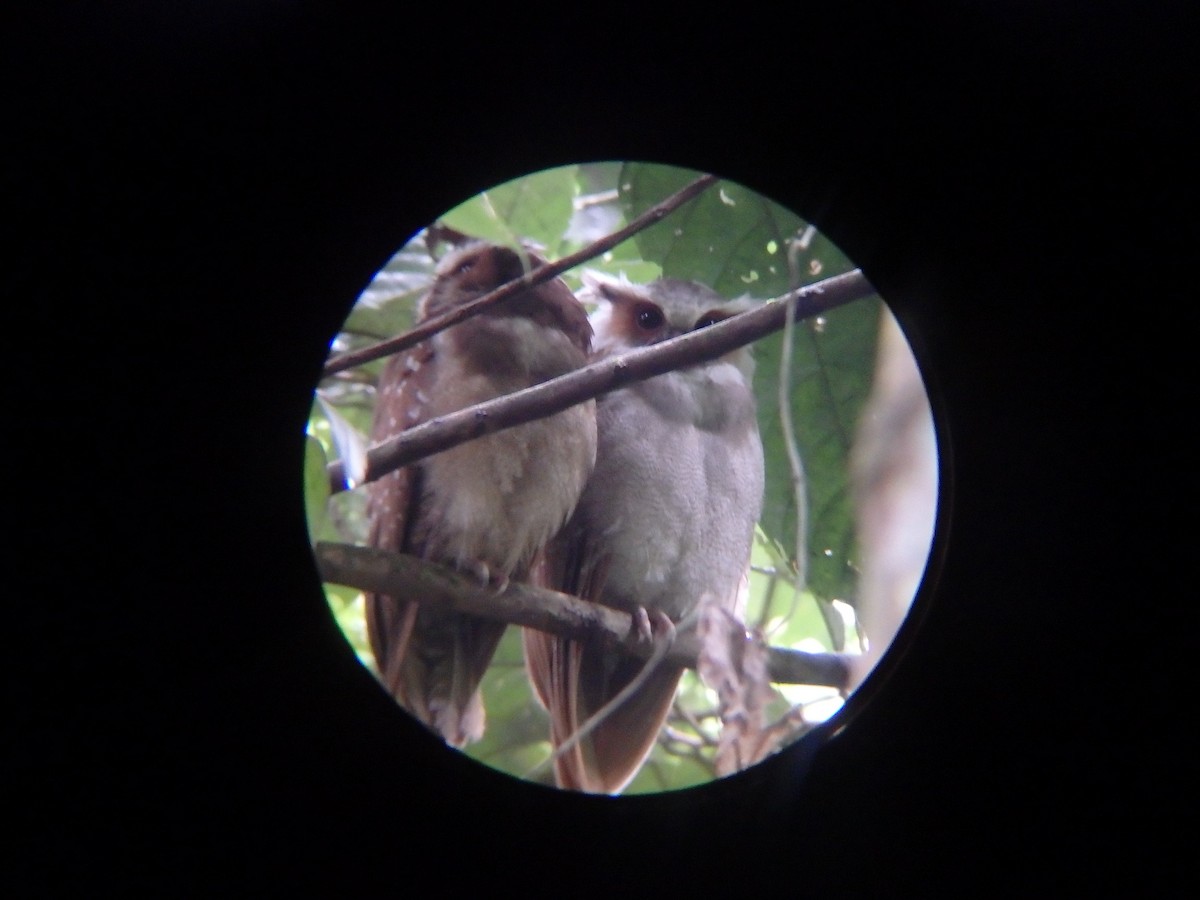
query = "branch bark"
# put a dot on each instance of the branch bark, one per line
(432, 326)
(607, 375)
(397, 574)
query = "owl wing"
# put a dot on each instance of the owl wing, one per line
(392, 505)
(431, 660)
(575, 678)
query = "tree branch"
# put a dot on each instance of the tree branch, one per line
(606, 375)
(400, 575)
(552, 270)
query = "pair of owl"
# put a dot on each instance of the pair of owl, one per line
(643, 500)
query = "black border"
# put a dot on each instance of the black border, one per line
(188, 716)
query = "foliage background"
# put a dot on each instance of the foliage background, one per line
(740, 243)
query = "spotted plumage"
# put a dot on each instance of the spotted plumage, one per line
(487, 506)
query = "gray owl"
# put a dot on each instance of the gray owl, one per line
(666, 519)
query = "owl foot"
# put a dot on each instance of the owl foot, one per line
(482, 572)
(662, 630)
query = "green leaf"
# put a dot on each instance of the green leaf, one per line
(830, 376)
(536, 207)
(387, 306)
(347, 606)
(316, 485)
(728, 237)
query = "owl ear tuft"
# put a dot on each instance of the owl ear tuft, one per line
(600, 287)
(744, 303)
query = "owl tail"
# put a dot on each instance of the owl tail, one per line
(574, 679)
(432, 662)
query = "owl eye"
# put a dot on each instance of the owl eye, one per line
(648, 317)
(708, 319)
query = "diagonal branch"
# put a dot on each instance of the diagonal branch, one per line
(552, 270)
(606, 375)
(397, 574)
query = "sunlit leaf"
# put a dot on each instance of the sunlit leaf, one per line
(351, 445)
(316, 485)
(534, 208)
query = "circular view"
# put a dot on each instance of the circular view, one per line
(620, 477)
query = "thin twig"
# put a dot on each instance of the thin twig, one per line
(795, 464)
(432, 326)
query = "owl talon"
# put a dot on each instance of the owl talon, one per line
(646, 632)
(482, 572)
(642, 627)
(477, 569)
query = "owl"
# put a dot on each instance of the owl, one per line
(666, 521)
(486, 507)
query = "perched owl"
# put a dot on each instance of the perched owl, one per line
(487, 506)
(667, 518)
